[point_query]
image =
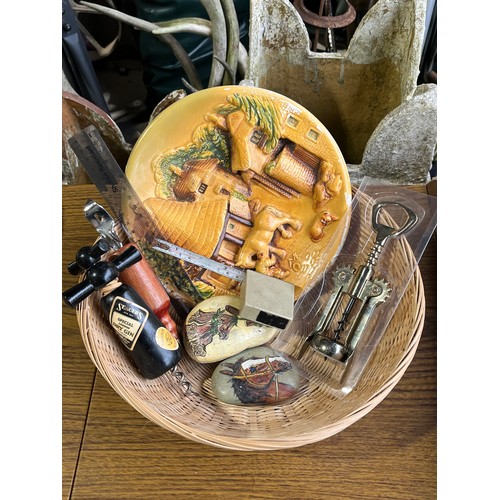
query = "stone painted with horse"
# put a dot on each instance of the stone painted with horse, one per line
(214, 331)
(257, 376)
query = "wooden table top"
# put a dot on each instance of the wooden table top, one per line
(111, 451)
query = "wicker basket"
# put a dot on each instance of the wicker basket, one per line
(313, 414)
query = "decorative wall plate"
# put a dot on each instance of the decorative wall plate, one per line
(247, 177)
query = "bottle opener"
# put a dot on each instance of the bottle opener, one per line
(103, 223)
(362, 292)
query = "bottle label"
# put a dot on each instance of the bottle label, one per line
(166, 340)
(128, 320)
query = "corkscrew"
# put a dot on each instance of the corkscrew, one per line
(359, 291)
(99, 274)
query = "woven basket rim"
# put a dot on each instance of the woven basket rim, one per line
(207, 432)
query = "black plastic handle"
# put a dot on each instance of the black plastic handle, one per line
(87, 256)
(100, 274)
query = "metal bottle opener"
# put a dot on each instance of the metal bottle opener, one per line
(103, 223)
(363, 294)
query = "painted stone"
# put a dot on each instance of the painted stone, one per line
(257, 376)
(213, 330)
(243, 176)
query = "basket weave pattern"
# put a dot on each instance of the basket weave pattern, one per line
(313, 414)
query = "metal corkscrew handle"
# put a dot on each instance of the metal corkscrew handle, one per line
(384, 233)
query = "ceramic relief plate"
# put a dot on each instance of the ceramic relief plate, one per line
(247, 177)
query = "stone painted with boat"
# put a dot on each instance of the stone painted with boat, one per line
(257, 376)
(214, 331)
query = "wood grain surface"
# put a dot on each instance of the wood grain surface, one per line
(110, 451)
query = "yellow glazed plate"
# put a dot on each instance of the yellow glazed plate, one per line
(247, 177)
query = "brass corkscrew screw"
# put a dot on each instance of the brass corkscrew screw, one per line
(362, 292)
